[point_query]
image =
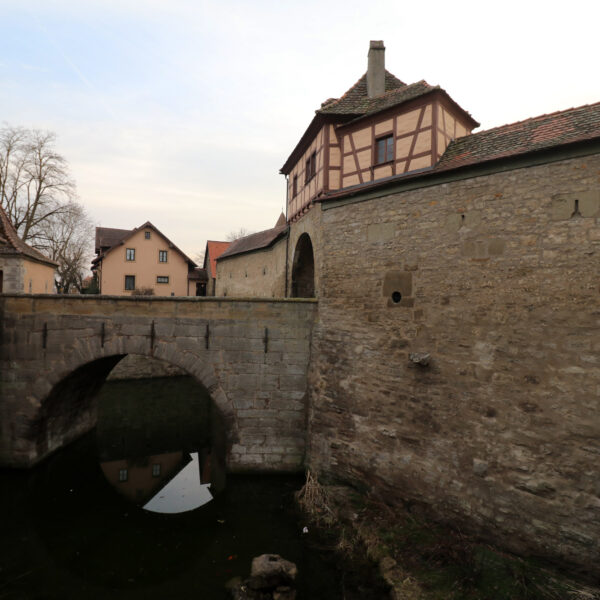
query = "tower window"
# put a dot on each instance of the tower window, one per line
(384, 149)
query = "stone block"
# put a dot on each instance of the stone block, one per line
(397, 282)
(496, 246)
(380, 232)
(472, 219)
(589, 203)
(453, 222)
(562, 207)
(245, 401)
(292, 382)
(242, 382)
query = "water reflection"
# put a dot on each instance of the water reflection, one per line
(157, 443)
(182, 493)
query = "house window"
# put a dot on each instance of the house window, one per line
(295, 187)
(130, 254)
(384, 149)
(130, 282)
(311, 167)
(146, 235)
(162, 279)
(162, 256)
(122, 475)
(156, 470)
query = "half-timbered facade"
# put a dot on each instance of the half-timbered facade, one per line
(381, 127)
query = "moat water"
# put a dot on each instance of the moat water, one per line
(141, 508)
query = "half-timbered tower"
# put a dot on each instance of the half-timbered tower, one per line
(381, 127)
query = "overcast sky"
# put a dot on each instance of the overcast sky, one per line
(181, 112)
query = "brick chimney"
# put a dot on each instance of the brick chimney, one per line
(376, 69)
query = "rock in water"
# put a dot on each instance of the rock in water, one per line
(270, 571)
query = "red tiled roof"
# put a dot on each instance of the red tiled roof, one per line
(255, 241)
(213, 251)
(12, 244)
(538, 133)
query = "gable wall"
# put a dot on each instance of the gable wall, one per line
(448, 126)
(145, 268)
(38, 278)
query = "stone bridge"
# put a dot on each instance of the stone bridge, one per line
(251, 355)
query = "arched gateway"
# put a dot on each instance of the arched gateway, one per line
(303, 269)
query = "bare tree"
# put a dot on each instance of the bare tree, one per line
(39, 197)
(198, 258)
(67, 237)
(237, 234)
(35, 183)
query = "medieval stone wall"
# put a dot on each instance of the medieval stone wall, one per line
(253, 274)
(496, 278)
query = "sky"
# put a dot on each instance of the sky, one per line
(182, 112)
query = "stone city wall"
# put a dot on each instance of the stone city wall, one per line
(253, 274)
(456, 360)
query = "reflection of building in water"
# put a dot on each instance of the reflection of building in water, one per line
(185, 491)
(139, 479)
(169, 482)
(160, 444)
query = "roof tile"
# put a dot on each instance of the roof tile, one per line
(213, 251)
(355, 101)
(106, 237)
(538, 133)
(256, 241)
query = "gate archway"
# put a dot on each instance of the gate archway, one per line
(303, 269)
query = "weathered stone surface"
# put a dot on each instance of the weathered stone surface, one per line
(492, 436)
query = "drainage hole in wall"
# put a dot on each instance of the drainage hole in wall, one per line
(396, 297)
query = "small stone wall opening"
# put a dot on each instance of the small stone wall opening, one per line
(303, 269)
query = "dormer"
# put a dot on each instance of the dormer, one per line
(380, 128)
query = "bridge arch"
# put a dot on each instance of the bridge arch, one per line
(65, 408)
(250, 355)
(303, 268)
